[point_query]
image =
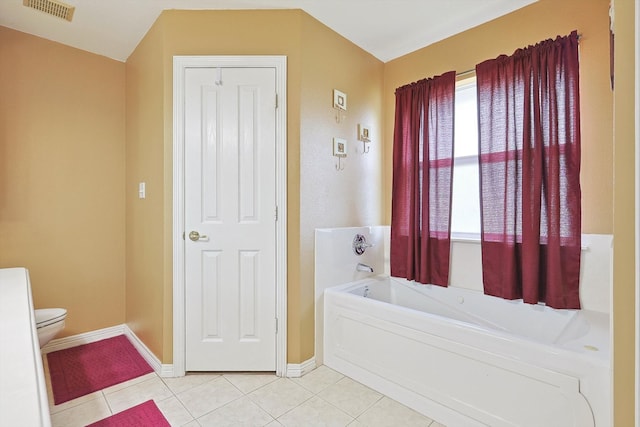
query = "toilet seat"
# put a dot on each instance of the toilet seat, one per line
(49, 316)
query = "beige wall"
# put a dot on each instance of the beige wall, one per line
(624, 216)
(313, 54)
(145, 218)
(330, 198)
(542, 20)
(62, 161)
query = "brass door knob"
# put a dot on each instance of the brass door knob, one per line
(195, 236)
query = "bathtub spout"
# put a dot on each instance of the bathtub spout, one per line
(364, 267)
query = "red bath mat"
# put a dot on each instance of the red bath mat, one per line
(91, 367)
(145, 414)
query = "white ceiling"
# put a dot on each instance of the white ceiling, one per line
(385, 28)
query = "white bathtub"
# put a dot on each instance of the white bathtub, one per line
(467, 359)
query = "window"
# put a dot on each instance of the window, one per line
(465, 209)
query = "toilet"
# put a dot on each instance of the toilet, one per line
(49, 322)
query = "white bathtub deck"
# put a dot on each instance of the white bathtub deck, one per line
(465, 374)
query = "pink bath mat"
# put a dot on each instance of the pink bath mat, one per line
(145, 414)
(91, 367)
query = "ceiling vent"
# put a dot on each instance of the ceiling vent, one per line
(55, 8)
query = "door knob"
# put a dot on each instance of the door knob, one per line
(195, 236)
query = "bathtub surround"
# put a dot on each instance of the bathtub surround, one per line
(336, 263)
(595, 269)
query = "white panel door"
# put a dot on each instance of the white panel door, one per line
(230, 170)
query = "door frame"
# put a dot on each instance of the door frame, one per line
(180, 64)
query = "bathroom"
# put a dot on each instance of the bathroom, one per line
(71, 204)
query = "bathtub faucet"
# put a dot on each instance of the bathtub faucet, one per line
(360, 244)
(364, 267)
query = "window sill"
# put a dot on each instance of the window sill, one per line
(465, 237)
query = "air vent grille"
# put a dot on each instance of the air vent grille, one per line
(55, 8)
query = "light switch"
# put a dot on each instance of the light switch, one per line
(142, 190)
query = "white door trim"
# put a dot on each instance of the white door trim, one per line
(180, 63)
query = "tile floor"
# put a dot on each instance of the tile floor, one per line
(323, 397)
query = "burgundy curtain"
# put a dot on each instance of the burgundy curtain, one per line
(422, 172)
(529, 131)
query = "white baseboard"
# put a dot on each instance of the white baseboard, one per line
(163, 370)
(296, 370)
(80, 339)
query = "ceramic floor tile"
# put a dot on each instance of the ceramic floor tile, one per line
(180, 384)
(129, 383)
(280, 396)
(350, 396)
(137, 393)
(318, 379)
(389, 413)
(323, 397)
(241, 412)
(247, 383)
(54, 409)
(206, 397)
(315, 412)
(82, 414)
(174, 411)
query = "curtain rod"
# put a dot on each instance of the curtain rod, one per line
(467, 73)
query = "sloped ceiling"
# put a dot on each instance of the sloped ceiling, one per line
(385, 28)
